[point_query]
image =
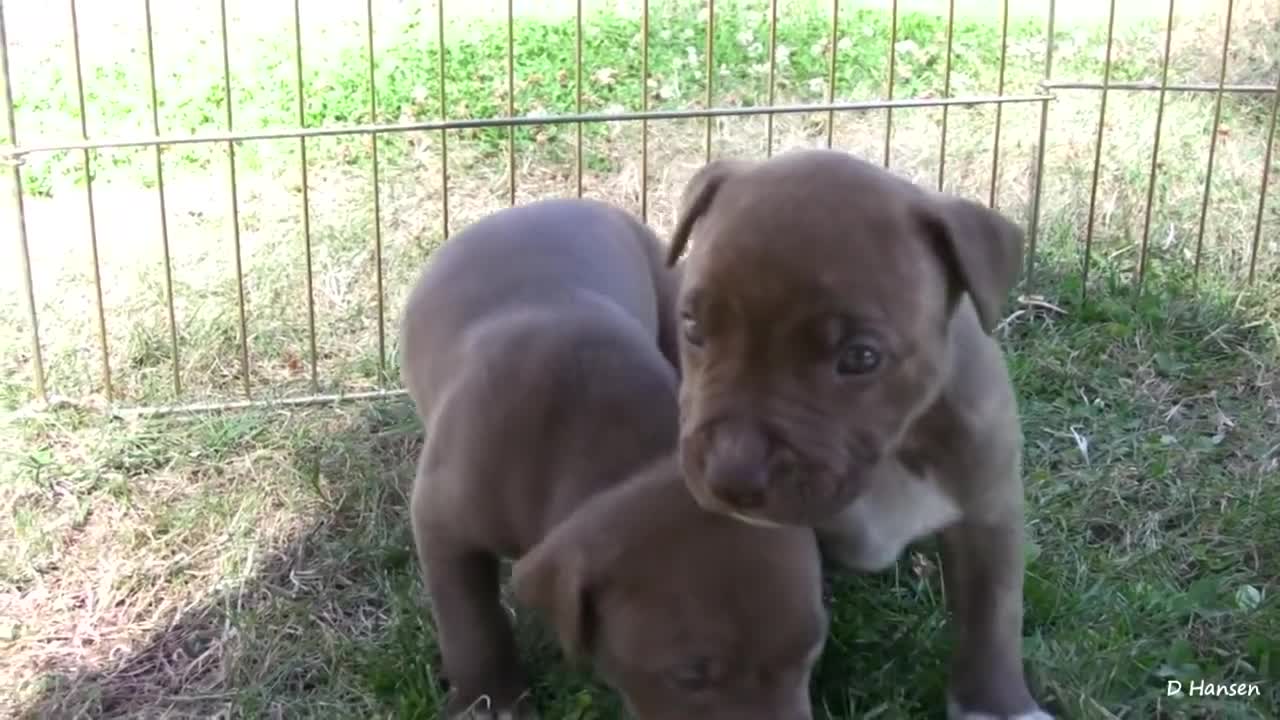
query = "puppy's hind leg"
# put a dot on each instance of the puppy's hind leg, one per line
(475, 636)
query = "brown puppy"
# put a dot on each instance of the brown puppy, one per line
(838, 372)
(531, 351)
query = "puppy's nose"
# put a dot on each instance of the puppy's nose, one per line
(737, 466)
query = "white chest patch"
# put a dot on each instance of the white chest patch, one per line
(897, 509)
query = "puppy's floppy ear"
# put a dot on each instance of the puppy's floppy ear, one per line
(982, 248)
(554, 578)
(696, 198)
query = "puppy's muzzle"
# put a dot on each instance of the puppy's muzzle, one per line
(733, 461)
(743, 468)
(734, 464)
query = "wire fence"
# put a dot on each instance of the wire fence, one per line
(21, 148)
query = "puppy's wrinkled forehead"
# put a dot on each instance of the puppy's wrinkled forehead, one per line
(782, 236)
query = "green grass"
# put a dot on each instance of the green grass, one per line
(336, 82)
(259, 562)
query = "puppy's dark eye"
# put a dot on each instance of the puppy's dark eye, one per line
(858, 357)
(691, 329)
(692, 676)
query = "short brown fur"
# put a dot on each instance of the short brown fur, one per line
(839, 373)
(533, 348)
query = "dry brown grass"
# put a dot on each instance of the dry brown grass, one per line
(341, 218)
(209, 554)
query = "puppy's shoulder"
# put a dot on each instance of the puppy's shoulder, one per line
(977, 390)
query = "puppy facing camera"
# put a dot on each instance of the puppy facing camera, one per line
(838, 372)
(539, 349)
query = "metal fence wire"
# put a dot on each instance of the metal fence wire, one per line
(19, 147)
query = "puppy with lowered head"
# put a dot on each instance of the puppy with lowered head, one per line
(839, 373)
(532, 347)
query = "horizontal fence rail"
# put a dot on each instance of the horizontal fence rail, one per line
(14, 154)
(1157, 87)
(20, 148)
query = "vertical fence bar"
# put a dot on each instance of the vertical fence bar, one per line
(946, 93)
(93, 220)
(1033, 229)
(377, 204)
(893, 57)
(511, 99)
(995, 146)
(577, 59)
(1155, 153)
(711, 53)
(644, 107)
(1213, 144)
(11, 131)
(773, 70)
(160, 194)
(1097, 152)
(831, 71)
(1266, 171)
(444, 134)
(235, 204)
(306, 199)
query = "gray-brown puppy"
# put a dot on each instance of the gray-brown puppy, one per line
(531, 349)
(839, 373)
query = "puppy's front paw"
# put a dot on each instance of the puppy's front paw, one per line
(955, 712)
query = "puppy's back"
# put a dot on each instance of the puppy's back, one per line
(555, 403)
(530, 347)
(527, 256)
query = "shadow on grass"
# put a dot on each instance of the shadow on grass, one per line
(329, 622)
(1150, 427)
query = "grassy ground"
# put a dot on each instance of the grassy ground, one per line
(257, 563)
